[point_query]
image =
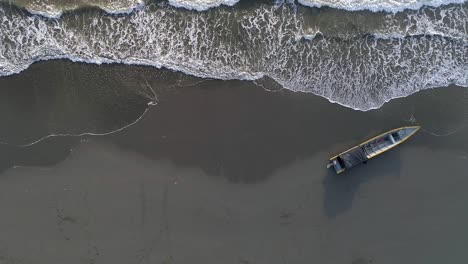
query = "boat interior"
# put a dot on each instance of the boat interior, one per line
(381, 144)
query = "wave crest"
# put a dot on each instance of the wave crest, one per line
(201, 5)
(55, 9)
(392, 6)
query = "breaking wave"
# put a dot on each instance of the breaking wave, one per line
(349, 61)
(378, 5)
(201, 5)
(55, 8)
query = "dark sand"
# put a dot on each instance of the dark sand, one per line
(222, 172)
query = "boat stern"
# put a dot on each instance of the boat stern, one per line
(337, 166)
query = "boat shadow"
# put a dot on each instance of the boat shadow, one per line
(342, 190)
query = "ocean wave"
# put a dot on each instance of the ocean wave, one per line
(350, 64)
(51, 9)
(55, 8)
(391, 6)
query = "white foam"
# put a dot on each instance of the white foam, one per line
(360, 72)
(55, 11)
(201, 5)
(392, 6)
(43, 9)
(137, 5)
(51, 10)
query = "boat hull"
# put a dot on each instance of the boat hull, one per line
(371, 148)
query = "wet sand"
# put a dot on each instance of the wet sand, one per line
(225, 172)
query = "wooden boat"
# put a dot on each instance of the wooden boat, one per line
(371, 148)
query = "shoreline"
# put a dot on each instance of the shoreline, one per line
(176, 92)
(139, 96)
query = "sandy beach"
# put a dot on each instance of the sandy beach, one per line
(222, 172)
